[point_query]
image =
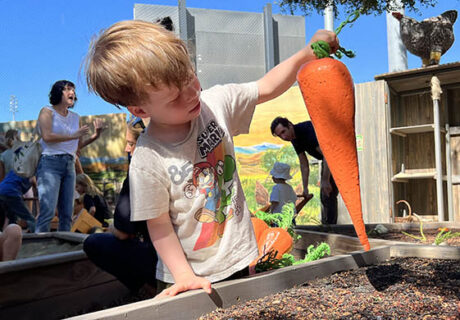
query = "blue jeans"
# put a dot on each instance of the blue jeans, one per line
(131, 261)
(56, 187)
(16, 208)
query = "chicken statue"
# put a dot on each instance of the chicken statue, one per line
(428, 39)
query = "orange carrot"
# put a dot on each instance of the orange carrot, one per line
(259, 227)
(272, 239)
(276, 239)
(327, 89)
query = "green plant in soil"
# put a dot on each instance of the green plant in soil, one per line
(269, 262)
(422, 235)
(445, 234)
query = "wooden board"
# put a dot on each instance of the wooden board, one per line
(420, 78)
(373, 158)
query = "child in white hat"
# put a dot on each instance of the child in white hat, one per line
(282, 192)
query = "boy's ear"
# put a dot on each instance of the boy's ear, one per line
(138, 112)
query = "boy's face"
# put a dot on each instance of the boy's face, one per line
(169, 105)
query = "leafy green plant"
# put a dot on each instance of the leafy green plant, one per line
(282, 220)
(422, 236)
(445, 234)
(312, 254)
(269, 262)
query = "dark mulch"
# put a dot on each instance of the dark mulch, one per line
(401, 288)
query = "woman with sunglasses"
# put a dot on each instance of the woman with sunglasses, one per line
(127, 252)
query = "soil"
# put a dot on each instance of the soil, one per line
(401, 288)
(399, 236)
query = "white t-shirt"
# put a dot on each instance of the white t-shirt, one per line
(65, 125)
(282, 193)
(196, 181)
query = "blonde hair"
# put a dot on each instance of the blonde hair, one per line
(135, 130)
(131, 55)
(90, 187)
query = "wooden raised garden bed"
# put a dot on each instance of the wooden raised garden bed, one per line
(195, 304)
(52, 278)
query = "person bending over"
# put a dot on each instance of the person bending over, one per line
(303, 139)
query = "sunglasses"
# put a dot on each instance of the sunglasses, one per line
(138, 123)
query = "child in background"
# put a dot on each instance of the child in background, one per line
(282, 192)
(93, 198)
(183, 176)
(10, 237)
(12, 202)
(126, 252)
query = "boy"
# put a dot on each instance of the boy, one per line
(183, 176)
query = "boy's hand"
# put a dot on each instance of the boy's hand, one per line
(190, 283)
(325, 35)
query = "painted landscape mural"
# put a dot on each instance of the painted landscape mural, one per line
(257, 151)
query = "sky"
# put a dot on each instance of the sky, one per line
(47, 40)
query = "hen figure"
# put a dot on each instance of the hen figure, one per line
(428, 39)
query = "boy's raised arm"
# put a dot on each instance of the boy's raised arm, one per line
(171, 253)
(281, 77)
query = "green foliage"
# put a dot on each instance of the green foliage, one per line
(366, 7)
(444, 235)
(422, 235)
(269, 262)
(282, 220)
(312, 253)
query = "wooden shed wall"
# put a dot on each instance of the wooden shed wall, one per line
(371, 124)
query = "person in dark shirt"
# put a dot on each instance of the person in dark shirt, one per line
(303, 139)
(12, 188)
(93, 199)
(127, 252)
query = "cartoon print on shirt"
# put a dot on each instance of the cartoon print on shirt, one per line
(214, 179)
(206, 182)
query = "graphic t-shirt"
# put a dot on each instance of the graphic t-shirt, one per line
(196, 181)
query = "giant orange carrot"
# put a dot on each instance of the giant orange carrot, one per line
(272, 239)
(327, 89)
(259, 227)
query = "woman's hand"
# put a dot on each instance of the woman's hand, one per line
(188, 283)
(98, 127)
(81, 132)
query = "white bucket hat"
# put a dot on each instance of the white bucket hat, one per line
(281, 171)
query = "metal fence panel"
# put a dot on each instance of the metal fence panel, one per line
(228, 46)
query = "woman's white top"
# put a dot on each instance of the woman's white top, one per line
(65, 125)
